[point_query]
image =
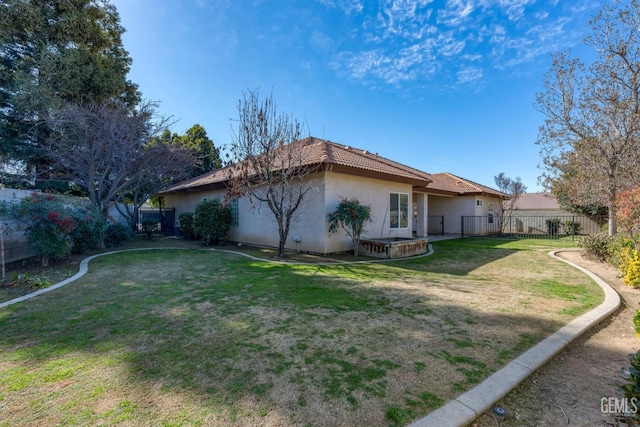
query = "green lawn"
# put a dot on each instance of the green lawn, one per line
(202, 337)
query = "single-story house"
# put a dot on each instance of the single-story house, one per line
(451, 198)
(533, 213)
(401, 199)
(538, 204)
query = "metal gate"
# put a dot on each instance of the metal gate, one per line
(435, 225)
(164, 218)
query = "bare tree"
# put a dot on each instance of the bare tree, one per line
(514, 188)
(159, 164)
(590, 141)
(104, 148)
(269, 162)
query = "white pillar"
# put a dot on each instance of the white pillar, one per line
(422, 227)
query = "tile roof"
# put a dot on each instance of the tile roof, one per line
(334, 156)
(450, 183)
(536, 201)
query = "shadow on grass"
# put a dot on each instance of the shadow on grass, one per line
(245, 335)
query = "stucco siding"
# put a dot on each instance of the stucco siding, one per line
(368, 191)
(451, 208)
(186, 202)
(454, 208)
(256, 223)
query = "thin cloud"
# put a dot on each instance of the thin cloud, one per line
(413, 40)
(455, 12)
(348, 6)
(469, 75)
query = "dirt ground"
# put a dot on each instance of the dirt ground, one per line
(568, 390)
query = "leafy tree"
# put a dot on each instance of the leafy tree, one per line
(104, 149)
(590, 140)
(572, 195)
(351, 216)
(53, 52)
(207, 154)
(212, 221)
(268, 161)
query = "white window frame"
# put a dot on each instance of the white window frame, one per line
(399, 210)
(235, 219)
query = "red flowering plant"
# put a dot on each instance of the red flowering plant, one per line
(47, 223)
(88, 230)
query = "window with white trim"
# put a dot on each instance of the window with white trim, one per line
(478, 203)
(233, 206)
(398, 210)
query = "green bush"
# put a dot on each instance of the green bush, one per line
(553, 225)
(47, 223)
(88, 229)
(116, 234)
(212, 221)
(618, 250)
(187, 225)
(597, 246)
(572, 228)
(631, 389)
(149, 226)
(636, 322)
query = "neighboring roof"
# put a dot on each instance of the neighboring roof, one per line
(330, 155)
(537, 201)
(450, 183)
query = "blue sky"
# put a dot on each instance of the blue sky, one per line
(442, 86)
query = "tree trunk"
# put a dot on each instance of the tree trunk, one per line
(613, 227)
(281, 248)
(356, 246)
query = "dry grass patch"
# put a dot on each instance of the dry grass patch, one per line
(202, 337)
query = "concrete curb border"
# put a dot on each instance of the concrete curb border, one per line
(467, 407)
(82, 270)
(84, 267)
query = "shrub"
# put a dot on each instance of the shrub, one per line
(596, 246)
(88, 229)
(116, 234)
(619, 250)
(572, 228)
(631, 390)
(187, 225)
(631, 272)
(553, 225)
(351, 216)
(636, 322)
(149, 226)
(47, 224)
(212, 221)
